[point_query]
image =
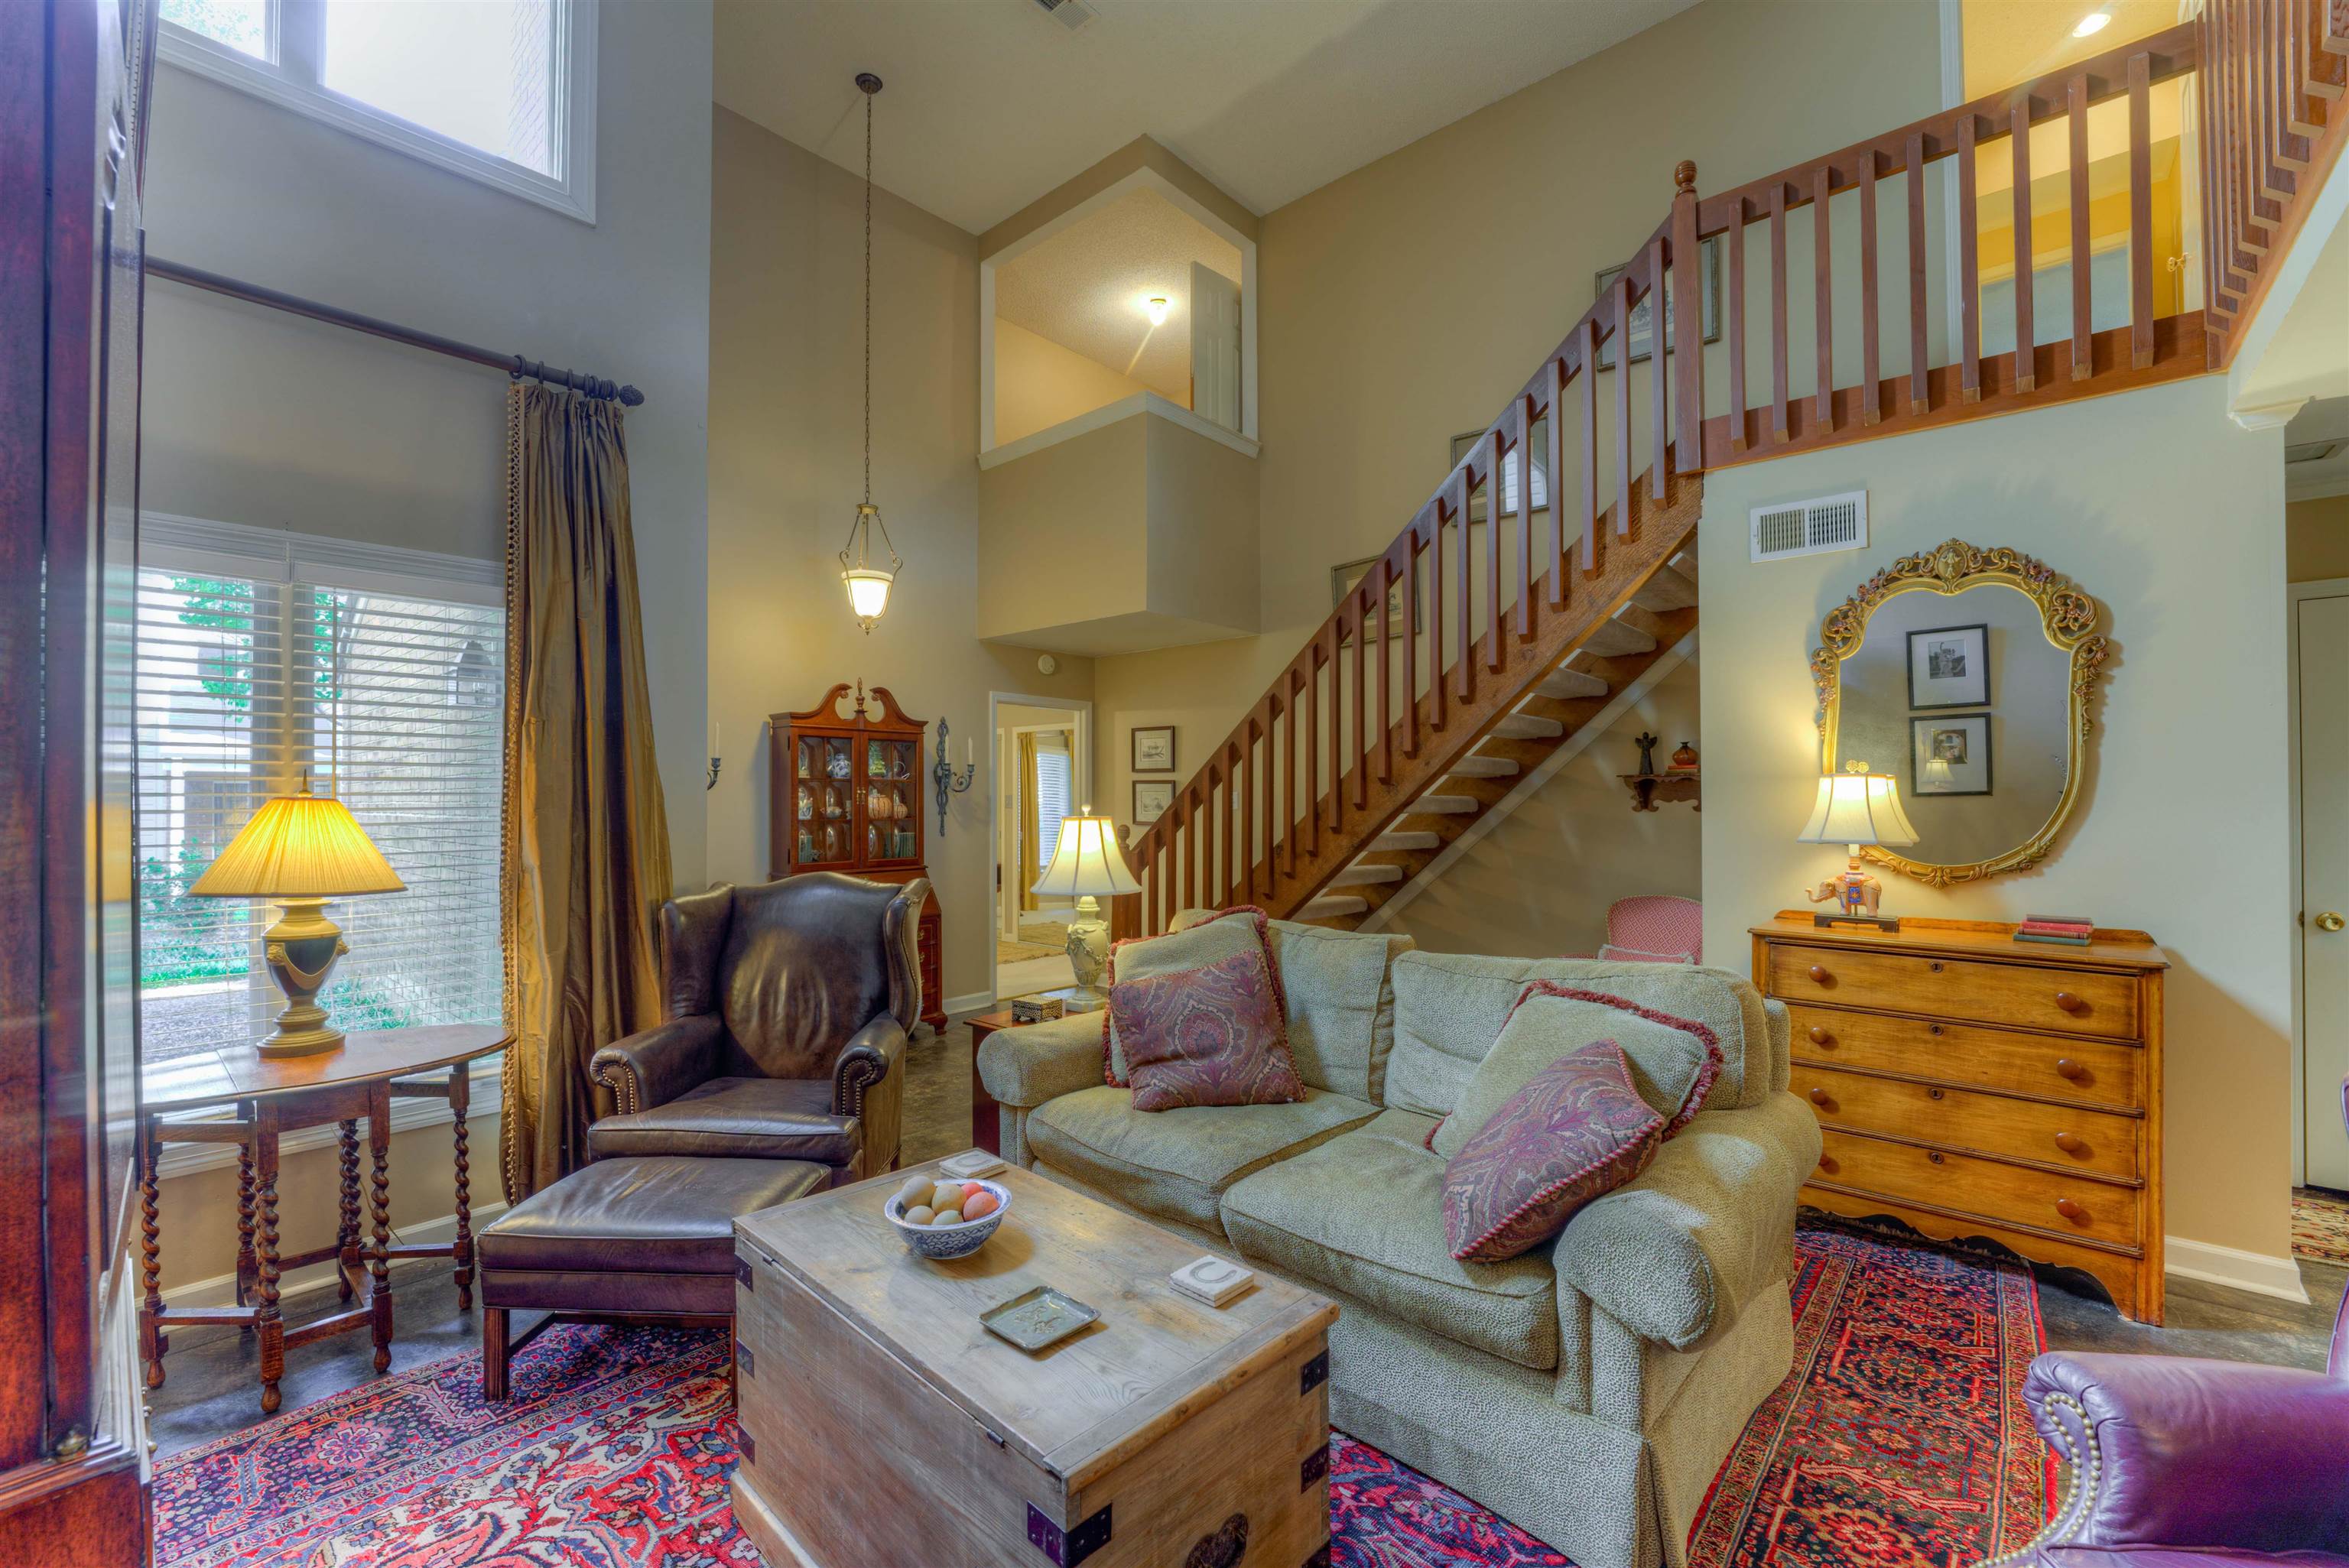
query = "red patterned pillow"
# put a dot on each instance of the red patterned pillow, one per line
(1578, 1130)
(1213, 1036)
(1239, 929)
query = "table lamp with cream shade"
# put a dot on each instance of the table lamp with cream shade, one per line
(1854, 808)
(1088, 863)
(299, 851)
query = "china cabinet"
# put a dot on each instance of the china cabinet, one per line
(845, 795)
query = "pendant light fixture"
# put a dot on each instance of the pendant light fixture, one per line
(867, 580)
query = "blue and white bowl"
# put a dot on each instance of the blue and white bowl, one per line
(945, 1242)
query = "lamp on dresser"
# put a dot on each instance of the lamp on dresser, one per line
(1855, 809)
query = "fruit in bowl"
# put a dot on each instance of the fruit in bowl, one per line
(945, 1219)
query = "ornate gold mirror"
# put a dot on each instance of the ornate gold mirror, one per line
(1965, 673)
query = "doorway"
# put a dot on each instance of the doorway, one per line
(1039, 764)
(2319, 630)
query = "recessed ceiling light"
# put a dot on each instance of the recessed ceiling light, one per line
(1157, 309)
(2095, 21)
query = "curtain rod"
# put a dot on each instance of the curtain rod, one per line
(512, 364)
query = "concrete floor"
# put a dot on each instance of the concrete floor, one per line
(211, 1389)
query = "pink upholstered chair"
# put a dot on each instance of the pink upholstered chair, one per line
(1657, 925)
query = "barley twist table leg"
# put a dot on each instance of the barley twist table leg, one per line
(247, 1266)
(379, 1204)
(266, 1322)
(348, 1261)
(150, 1256)
(459, 1105)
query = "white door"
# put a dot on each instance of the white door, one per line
(2323, 632)
(1214, 346)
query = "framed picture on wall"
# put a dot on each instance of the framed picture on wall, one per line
(1152, 796)
(1346, 573)
(1950, 755)
(1153, 749)
(1949, 667)
(1461, 446)
(1642, 332)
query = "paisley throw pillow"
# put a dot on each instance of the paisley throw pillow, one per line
(1576, 1132)
(1239, 929)
(1213, 1036)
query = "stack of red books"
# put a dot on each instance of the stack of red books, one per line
(2063, 929)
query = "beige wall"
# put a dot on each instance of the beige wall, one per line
(2174, 833)
(1038, 383)
(785, 468)
(1538, 884)
(1402, 303)
(2316, 538)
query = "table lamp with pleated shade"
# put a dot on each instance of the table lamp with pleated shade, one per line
(299, 851)
(1856, 808)
(1088, 861)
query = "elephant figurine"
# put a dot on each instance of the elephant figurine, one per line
(1859, 893)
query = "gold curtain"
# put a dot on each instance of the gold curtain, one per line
(587, 861)
(1030, 789)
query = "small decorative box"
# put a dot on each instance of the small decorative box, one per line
(1213, 1279)
(1035, 1009)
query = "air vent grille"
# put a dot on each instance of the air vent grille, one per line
(1069, 14)
(1810, 527)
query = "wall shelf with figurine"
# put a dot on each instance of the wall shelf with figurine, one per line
(845, 795)
(1651, 787)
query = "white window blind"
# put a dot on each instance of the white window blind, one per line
(1052, 787)
(262, 654)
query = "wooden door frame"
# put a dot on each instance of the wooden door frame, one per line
(2296, 596)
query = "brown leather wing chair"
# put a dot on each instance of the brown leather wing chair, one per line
(787, 1008)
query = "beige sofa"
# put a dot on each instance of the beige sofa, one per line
(1587, 1391)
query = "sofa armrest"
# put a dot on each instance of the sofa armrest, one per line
(1034, 1062)
(1675, 1252)
(870, 1056)
(655, 1066)
(2168, 1452)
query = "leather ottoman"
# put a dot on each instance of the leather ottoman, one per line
(649, 1239)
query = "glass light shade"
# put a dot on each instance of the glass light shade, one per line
(1088, 863)
(1157, 308)
(1857, 808)
(868, 581)
(299, 846)
(868, 593)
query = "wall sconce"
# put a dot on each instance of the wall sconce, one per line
(943, 779)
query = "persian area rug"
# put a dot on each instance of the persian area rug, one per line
(1898, 1440)
(2320, 1226)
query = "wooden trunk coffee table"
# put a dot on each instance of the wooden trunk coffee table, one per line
(883, 1427)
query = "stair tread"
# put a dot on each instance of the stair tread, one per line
(1405, 841)
(1614, 637)
(1571, 683)
(1329, 904)
(1362, 875)
(1443, 805)
(1475, 767)
(1665, 589)
(1528, 726)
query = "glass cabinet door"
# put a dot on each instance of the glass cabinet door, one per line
(892, 798)
(824, 795)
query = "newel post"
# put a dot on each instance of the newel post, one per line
(1687, 338)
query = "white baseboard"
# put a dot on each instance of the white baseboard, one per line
(2259, 1273)
(221, 1289)
(970, 1002)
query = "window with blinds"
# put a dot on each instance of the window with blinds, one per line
(1054, 786)
(379, 671)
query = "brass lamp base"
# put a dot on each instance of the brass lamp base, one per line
(301, 948)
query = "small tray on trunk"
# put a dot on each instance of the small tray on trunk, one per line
(1036, 1318)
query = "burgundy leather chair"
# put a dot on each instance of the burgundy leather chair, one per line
(2179, 1464)
(788, 1006)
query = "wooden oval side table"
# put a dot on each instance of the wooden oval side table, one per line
(274, 1097)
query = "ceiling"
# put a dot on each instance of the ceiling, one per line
(989, 103)
(1088, 287)
(2011, 41)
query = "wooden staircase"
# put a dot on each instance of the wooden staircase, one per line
(1480, 642)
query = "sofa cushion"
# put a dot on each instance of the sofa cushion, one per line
(1211, 1036)
(737, 1118)
(1673, 1061)
(1340, 999)
(1176, 1163)
(1576, 1130)
(1450, 1008)
(1364, 1214)
(1209, 940)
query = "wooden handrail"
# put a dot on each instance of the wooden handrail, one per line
(1314, 764)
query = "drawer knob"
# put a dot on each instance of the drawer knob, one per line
(1932, 1094)
(2069, 1002)
(1819, 1036)
(1827, 1164)
(1935, 1030)
(1934, 967)
(1934, 1155)
(1819, 1097)
(1819, 972)
(2070, 1070)
(2069, 1142)
(2071, 1209)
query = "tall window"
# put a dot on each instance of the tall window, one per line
(379, 672)
(501, 90)
(1054, 784)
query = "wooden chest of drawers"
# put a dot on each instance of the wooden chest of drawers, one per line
(1973, 1086)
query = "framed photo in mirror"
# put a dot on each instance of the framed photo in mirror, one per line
(1949, 667)
(1950, 755)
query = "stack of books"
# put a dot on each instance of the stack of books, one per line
(2063, 930)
